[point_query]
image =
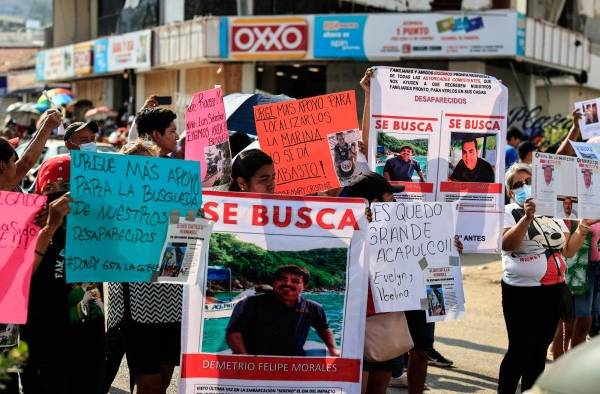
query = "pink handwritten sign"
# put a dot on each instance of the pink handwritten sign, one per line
(18, 238)
(207, 139)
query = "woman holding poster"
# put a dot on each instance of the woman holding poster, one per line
(534, 249)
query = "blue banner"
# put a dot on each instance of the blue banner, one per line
(101, 55)
(119, 218)
(340, 36)
(40, 58)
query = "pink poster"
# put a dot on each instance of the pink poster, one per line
(18, 237)
(207, 139)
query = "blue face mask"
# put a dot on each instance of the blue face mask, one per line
(89, 147)
(522, 194)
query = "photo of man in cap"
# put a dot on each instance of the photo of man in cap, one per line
(587, 178)
(81, 136)
(277, 323)
(403, 166)
(548, 171)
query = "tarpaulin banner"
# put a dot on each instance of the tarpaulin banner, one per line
(18, 237)
(118, 222)
(441, 134)
(566, 187)
(295, 320)
(206, 137)
(297, 135)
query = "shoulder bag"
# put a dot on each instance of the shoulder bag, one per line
(386, 336)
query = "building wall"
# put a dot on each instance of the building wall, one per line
(98, 90)
(72, 21)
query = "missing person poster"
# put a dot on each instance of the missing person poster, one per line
(566, 187)
(207, 138)
(444, 288)
(589, 124)
(313, 142)
(120, 214)
(404, 239)
(293, 317)
(554, 186)
(442, 134)
(185, 248)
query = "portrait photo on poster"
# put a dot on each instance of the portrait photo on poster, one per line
(306, 276)
(402, 156)
(472, 157)
(566, 207)
(218, 164)
(349, 163)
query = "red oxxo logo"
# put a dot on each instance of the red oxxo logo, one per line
(256, 38)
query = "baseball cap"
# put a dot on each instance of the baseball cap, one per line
(371, 186)
(78, 126)
(57, 168)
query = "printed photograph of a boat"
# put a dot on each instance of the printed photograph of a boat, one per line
(218, 309)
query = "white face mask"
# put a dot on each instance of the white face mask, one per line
(88, 147)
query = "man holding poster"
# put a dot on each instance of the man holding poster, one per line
(277, 323)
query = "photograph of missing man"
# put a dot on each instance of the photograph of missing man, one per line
(172, 261)
(472, 157)
(402, 157)
(435, 300)
(292, 306)
(590, 113)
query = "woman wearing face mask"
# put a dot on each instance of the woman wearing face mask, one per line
(64, 319)
(253, 171)
(533, 259)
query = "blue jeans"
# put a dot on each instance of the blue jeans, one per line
(588, 304)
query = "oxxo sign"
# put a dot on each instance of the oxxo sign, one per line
(265, 38)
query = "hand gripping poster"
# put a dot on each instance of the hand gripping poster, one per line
(441, 134)
(291, 275)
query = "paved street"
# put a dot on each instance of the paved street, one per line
(475, 344)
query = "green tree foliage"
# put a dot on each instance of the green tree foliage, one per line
(394, 144)
(248, 262)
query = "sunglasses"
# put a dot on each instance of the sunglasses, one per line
(520, 184)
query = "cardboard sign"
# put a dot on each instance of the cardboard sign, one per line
(403, 237)
(118, 221)
(206, 137)
(257, 237)
(295, 134)
(566, 187)
(18, 238)
(441, 134)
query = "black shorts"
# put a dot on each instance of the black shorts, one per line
(149, 346)
(389, 365)
(420, 331)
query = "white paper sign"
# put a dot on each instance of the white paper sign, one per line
(184, 250)
(441, 134)
(588, 188)
(589, 123)
(444, 287)
(403, 239)
(585, 150)
(555, 186)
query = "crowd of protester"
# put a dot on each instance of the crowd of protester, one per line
(71, 352)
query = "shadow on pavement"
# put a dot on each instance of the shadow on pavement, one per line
(460, 384)
(470, 345)
(114, 390)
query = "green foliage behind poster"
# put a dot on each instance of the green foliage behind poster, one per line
(251, 263)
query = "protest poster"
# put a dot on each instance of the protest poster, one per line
(588, 188)
(589, 124)
(257, 237)
(119, 218)
(586, 150)
(444, 288)
(404, 238)
(18, 237)
(442, 135)
(207, 138)
(297, 135)
(185, 247)
(554, 186)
